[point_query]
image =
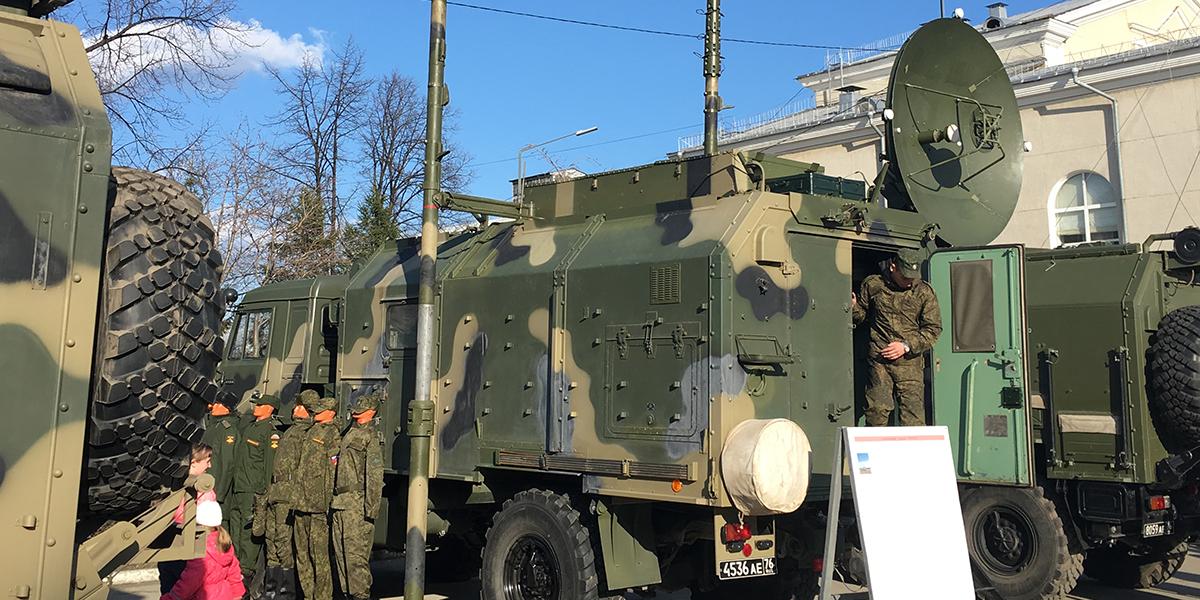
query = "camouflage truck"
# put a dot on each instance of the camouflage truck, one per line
(108, 341)
(612, 359)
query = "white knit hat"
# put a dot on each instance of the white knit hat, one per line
(208, 513)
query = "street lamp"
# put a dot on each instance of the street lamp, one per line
(521, 159)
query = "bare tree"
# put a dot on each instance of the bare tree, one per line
(393, 141)
(249, 203)
(322, 107)
(149, 53)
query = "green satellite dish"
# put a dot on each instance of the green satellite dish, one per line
(954, 141)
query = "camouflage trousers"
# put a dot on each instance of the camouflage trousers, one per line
(241, 515)
(278, 534)
(311, 534)
(353, 536)
(892, 383)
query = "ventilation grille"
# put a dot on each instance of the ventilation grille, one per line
(664, 284)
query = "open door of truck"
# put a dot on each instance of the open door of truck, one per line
(980, 386)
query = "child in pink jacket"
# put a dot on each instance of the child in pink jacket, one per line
(217, 575)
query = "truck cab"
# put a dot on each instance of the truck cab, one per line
(283, 339)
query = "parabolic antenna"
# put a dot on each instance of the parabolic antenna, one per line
(954, 142)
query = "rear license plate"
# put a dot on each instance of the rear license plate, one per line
(741, 569)
(1154, 529)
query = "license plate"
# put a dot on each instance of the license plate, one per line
(741, 569)
(1154, 529)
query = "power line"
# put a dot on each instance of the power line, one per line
(658, 32)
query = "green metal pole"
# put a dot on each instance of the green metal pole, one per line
(420, 412)
(712, 71)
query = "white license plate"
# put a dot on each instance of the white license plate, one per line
(1154, 529)
(741, 569)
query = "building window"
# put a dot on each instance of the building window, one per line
(1085, 209)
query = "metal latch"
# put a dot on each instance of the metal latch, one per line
(677, 340)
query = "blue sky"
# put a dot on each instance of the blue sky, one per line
(516, 81)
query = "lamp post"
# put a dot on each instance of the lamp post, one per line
(528, 147)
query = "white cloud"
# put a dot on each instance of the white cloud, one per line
(261, 47)
(229, 50)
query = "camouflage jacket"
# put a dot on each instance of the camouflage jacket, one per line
(256, 455)
(313, 485)
(223, 435)
(911, 316)
(360, 470)
(287, 461)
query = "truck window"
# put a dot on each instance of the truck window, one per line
(402, 326)
(251, 335)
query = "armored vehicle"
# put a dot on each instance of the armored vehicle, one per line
(640, 375)
(109, 337)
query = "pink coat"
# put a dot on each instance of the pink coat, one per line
(215, 576)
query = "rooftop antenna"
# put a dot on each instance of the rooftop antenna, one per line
(712, 72)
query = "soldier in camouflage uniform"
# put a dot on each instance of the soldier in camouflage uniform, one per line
(904, 323)
(222, 433)
(359, 486)
(276, 519)
(252, 473)
(312, 495)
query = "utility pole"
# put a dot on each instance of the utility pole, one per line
(420, 411)
(712, 72)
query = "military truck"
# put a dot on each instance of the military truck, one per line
(108, 280)
(640, 375)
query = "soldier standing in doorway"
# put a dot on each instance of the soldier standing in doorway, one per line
(312, 496)
(222, 434)
(359, 486)
(252, 473)
(276, 526)
(905, 321)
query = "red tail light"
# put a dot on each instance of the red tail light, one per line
(818, 565)
(1160, 502)
(734, 532)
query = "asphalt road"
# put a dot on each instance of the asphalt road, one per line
(389, 585)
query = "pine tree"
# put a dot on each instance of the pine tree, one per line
(376, 226)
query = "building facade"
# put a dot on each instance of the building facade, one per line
(1109, 92)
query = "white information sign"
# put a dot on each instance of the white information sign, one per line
(909, 518)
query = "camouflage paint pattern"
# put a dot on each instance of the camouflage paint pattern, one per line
(609, 326)
(55, 148)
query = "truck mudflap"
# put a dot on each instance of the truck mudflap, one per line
(744, 547)
(138, 541)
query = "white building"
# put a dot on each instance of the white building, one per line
(1080, 184)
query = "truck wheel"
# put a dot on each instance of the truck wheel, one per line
(1127, 568)
(157, 343)
(1016, 539)
(537, 549)
(1173, 379)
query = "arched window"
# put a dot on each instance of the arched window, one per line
(1085, 209)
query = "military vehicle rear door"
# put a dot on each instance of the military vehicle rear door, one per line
(980, 388)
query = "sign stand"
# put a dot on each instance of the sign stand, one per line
(832, 515)
(905, 492)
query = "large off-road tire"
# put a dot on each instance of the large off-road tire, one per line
(1126, 568)
(1017, 541)
(157, 343)
(1173, 379)
(538, 549)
